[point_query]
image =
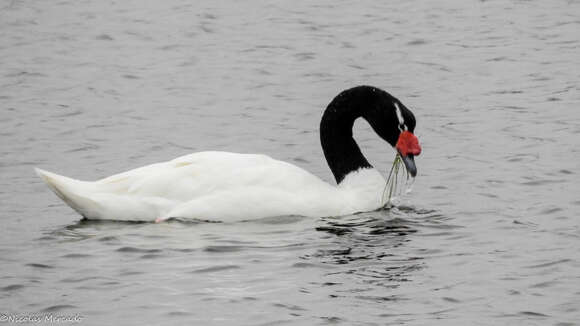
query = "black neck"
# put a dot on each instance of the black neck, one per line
(340, 149)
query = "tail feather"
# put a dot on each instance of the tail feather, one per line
(73, 192)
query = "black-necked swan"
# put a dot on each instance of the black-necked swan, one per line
(224, 186)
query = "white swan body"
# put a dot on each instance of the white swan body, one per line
(224, 186)
(218, 186)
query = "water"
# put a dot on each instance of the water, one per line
(490, 234)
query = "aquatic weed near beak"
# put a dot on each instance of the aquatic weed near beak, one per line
(392, 188)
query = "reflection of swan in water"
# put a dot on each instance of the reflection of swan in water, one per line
(358, 255)
(84, 229)
(370, 246)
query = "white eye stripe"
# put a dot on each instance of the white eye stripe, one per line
(402, 124)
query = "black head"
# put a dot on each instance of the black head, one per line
(394, 123)
(386, 114)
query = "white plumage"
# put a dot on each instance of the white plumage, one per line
(217, 186)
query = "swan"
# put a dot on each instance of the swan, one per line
(224, 186)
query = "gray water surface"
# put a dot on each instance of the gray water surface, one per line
(490, 234)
